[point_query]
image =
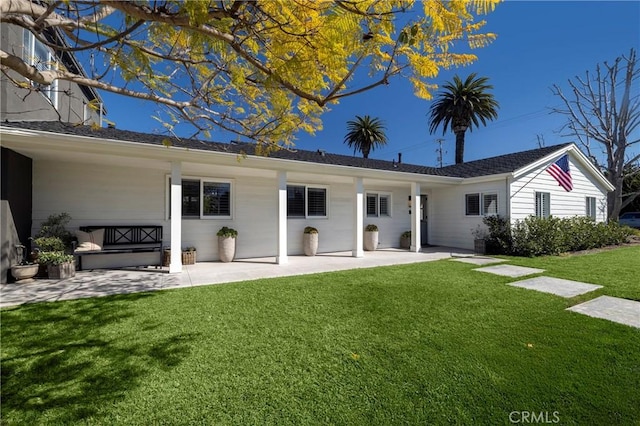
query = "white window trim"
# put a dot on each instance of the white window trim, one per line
(482, 212)
(306, 200)
(202, 181)
(379, 194)
(50, 92)
(592, 213)
(542, 199)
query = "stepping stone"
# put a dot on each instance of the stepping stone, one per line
(614, 309)
(557, 286)
(510, 270)
(478, 260)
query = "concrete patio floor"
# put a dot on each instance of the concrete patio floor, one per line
(104, 282)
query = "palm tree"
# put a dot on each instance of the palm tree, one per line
(365, 134)
(460, 106)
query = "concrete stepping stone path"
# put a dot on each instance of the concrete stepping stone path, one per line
(510, 270)
(477, 260)
(557, 286)
(614, 309)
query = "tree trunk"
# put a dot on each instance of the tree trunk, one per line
(460, 146)
(614, 198)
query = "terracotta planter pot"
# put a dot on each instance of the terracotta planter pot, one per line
(62, 271)
(226, 248)
(370, 240)
(310, 244)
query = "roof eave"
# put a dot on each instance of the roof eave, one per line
(578, 155)
(76, 143)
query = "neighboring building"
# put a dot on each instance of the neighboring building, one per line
(115, 177)
(63, 101)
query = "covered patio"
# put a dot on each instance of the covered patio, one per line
(104, 282)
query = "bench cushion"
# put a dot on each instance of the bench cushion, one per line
(90, 241)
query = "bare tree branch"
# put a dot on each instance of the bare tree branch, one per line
(601, 111)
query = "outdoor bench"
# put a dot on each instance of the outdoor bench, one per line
(115, 239)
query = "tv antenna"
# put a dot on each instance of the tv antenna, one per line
(440, 151)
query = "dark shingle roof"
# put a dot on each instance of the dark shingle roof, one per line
(488, 166)
(502, 164)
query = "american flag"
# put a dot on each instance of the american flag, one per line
(560, 172)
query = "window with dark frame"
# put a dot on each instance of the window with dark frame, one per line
(215, 197)
(190, 198)
(378, 205)
(317, 200)
(481, 204)
(472, 204)
(305, 201)
(296, 201)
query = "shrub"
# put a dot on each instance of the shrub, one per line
(55, 226)
(371, 228)
(499, 240)
(536, 236)
(50, 243)
(310, 230)
(54, 258)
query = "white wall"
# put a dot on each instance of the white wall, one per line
(450, 226)
(563, 203)
(99, 194)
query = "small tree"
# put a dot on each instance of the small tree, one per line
(261, 69)
(461, 106)
(602, 113)
(365, 134)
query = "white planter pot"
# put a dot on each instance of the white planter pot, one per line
(24, 273)
(310, 244)
(370, 240)
(226, 248)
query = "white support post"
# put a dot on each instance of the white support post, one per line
(282, 218)
(416, 244)
(358, 217)
(176, 218)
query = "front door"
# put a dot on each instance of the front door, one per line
(424, 214)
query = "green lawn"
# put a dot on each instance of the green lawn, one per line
(430, 343)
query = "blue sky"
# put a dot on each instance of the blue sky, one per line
(540, 43)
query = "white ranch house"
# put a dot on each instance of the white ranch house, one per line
(192, 188)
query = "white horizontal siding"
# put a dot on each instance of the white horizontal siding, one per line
(563, 203)
(95, 194)
(450, 226)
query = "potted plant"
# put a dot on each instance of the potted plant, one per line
(480, 235)
(60, 265)
(23, 271)
(310, 241)
(53, 243)
(189, 256)
(55, 226)
(371, 237)
(227, 243)
(48, 253)
(405, 240)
